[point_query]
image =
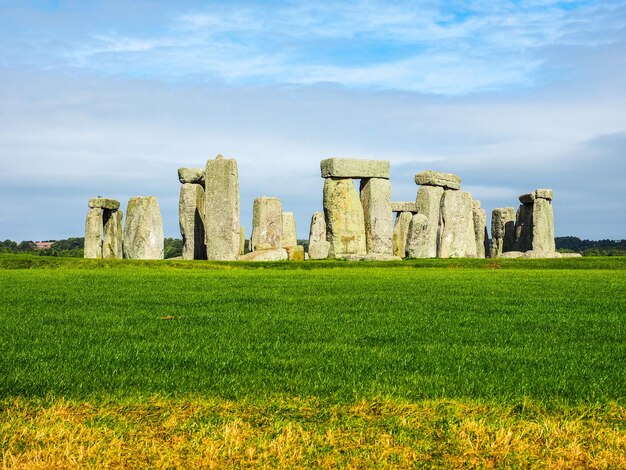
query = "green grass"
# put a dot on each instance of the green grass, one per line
(553, 331)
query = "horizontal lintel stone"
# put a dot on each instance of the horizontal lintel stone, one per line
(354, 168)
(544, 194)
(436, 178)
(104, 203)
(191, 175)
(527, 198)
(404, 206)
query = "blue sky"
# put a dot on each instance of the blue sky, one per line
(112, 97)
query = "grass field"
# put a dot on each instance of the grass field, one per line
(438, 362)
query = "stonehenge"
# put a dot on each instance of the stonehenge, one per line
(534, 222)
(191, 220)
(103, 229)
(502, 231)
(143, 231)
(318, 245)
(266, 224)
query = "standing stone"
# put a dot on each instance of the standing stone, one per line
(295, 252)
(401, 233)
(112, 244)
(480, 228)
(242, 241)
(266, 223)
(345, 223)
(428, 203)
(222, 209)
(376, 202)
(288, 223)
(543, 226)
(524, 227)
(418, 236)
(456, 238)
(143, 232)
(191, 220)
(93, 233)
(318, 245)
(502, 231)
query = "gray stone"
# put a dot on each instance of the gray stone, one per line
(538, 254)
(222, 220)
(345, 223)
(318, 245)
(456, 238)
(93, 233)
(512, 254)
(404, 206)
(524, 228)
(436, 178)
(276, 254)
(376, 202)
(401, 233)
(143, 231)
(417, 240)
(527, 198)
(295, 252)
(242, 241)
(191, 175)
(543, 226)
(191, 221)
(428, 202)
(480, 228)
(104, 203)
(502, 230)
(544, 194)
(112, 243)
(266, 223)
(354, 168)
(288, 237)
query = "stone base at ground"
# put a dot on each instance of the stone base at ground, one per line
(278, 254)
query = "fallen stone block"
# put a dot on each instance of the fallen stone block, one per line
(277, 254)
(295, 253)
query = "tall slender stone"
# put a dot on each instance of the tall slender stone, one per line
(143, 231)
(93, 233)
(524, 227)
(318, 245)
(456, 238)
(376, 202)
(502, 231)
(428, 203)
(266, 223)
(222, 219)
(543, 226)
(417, 237)
(480, 228)
(345, 223)
(242, 241)
(191, 220)
(401, 233)
(112, 243)
(288, 236)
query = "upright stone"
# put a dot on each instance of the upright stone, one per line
(143, 232)
(93, 233)
(543, 224)
(266, 223)
(222, 209)
(112, 244)
(376, 202)
(242, 241)
(345, 223)
(191, 220)
(502, 231)
(428, 203)
(480, 228)
(318, 245)
(289, 236)
(401, 233)
(456, 238)
(418, 236)
(524, 225)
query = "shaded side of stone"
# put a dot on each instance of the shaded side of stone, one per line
(112, 242)
(524, 228)
(428, 202)
(191, 221)
(376, 201)
(401, 233)
(345, 222)
(93, 233)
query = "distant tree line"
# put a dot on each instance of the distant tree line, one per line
(591, 247)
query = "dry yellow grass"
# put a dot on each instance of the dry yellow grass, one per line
(300, 433)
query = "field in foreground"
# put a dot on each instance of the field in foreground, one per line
(439, 361)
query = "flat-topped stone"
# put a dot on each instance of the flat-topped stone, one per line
(404, 206)
(354, 168)
(276, 254)
(191, 175)
(436, 178)
(104, 203)
(544, 194)
(527, 198)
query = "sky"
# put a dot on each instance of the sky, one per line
(110, 98)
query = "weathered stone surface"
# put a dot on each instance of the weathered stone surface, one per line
(524, 228)
(376, 202)
(428, 202)
(502, 230)
(345, 222)
(276, 254)
(318, 245)
(404, 206)
(266, 223)
(480, 228)
(112, 243)
(222, 220)
(401, 233)
(93, 233)
(295, 253)
(242, 241)
(543, 226)
(527, 198)
(417, 239)
(288, 236)
(571, 255)
(143, 231)
(512, 254)
(544, 194)
(191, 175)
(534, 254)
(354, 168)
(104, 203)
(191, 221)
(436, 178)
(456, 226)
